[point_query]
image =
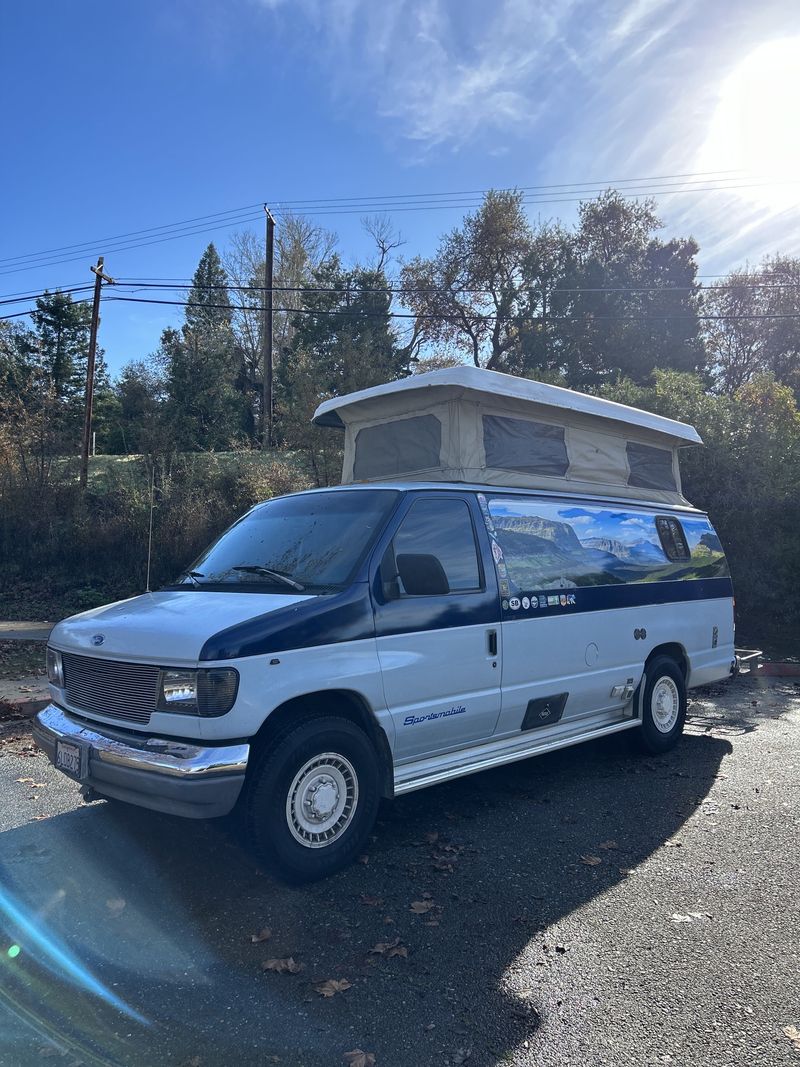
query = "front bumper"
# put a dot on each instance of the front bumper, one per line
(195, 781)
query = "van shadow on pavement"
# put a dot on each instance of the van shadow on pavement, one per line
(135, 909)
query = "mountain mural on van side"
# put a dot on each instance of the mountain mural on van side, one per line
(551, 547)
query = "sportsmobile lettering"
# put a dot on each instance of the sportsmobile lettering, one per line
(413, 720)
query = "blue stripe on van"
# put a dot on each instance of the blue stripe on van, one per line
(347, 616)
(634, 595)
(323, 620)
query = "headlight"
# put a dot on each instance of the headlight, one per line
(206, 692)
(55, 668)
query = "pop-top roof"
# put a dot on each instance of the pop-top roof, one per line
(462, 381)
(462, 424)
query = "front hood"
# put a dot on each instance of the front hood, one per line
(166, 628)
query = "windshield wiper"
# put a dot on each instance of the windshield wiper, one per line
(194, 575)
(257, 569)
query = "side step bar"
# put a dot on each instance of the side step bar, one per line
(452, 765)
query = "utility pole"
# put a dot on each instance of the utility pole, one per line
(99, 278)
(266, 333)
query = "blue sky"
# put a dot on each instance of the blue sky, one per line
(121, 117)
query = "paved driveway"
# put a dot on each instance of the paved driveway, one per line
(588, 907)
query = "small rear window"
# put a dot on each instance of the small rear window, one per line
(673, 539)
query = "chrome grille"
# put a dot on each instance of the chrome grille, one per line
(109, 688)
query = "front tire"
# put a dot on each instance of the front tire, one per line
(663, 706)
(313, 799)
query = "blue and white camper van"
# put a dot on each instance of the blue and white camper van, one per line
(506, 569)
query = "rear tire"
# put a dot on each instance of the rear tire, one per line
(663, 702)
(313, 799)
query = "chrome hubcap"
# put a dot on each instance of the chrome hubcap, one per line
(665, 704)
(322, 800)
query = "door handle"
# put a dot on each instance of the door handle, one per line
(491, 640)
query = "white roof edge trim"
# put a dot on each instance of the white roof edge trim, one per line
(493, 383)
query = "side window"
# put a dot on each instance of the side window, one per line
(397, 447)
(650, 468)
(673, 539)
(435, 551)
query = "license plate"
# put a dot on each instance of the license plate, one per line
(70, 759)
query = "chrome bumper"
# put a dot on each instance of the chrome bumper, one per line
(197, 781)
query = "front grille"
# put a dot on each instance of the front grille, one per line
(109, 688)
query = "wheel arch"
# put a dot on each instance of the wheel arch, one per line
(675, 651)
(344, 703)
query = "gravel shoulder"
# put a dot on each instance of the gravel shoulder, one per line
(586, 908)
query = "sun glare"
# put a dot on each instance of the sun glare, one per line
(756, 125)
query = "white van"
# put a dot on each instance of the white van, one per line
(508, 568)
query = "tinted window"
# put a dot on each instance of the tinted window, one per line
(315, 539)
(443, 529)
(525, 446)
(650, 468)
(559, 546)
(672, 538)
(398, 447)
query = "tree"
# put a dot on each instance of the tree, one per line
(753, 325)
(630, 301)
(469, 296)
(342, 340)
(206, 406)
(139, 425)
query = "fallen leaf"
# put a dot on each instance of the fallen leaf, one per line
(390, 949)
(461, 1055)
(626, 870)
(333, 986)
(793, 1033)
(677, 918)
(289, 965)
(25, 781)
(371, 902)
(357, 1058)
(264, 934)
(607, 845)
(591, 861)
(115, 905)
(421, 907)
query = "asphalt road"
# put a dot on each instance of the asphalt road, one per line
(680, 946)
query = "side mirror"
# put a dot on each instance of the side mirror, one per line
(422, 575)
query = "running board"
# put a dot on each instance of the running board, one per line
(445, 768)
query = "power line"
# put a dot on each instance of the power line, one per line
(392, 202)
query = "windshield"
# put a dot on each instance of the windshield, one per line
(311, 543)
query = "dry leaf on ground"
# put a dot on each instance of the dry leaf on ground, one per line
(793, 1033)
(390, 949)
(357, 1058)
(371, 902)
(591, 861)
(264, 934)
(421, 907)
(607, 845)
(677, 918)
(333, 986)
(289, 965)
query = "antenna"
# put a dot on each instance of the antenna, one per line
(150, 534)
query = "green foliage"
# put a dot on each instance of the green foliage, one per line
(347, 345)
(204, 407)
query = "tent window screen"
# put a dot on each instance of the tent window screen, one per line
(525, 446)
(650, 468)
(397, 447)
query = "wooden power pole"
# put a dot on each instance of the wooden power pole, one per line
(266, 333)
(99, 278)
